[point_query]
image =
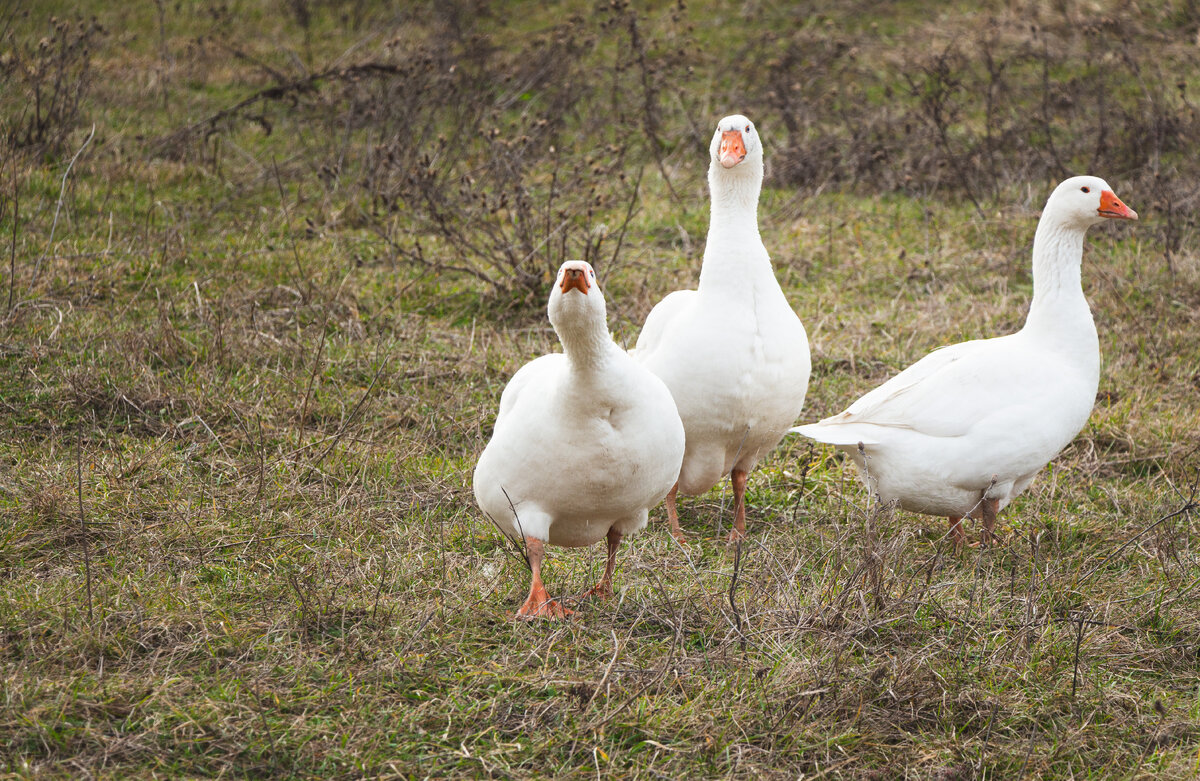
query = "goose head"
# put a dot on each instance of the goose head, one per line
(1083, 201)
(1059, 306)
(736, 143)
(576, 302)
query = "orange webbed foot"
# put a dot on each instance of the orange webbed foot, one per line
(602, 590)
(539, 605)
(549, 608)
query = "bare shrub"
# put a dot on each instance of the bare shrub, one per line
(471, 158)
(979, 116)
(501, 185)
(45, 83)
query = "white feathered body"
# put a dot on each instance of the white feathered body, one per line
(975, 419)
(575, 452)
(980, 419)
(737, 364)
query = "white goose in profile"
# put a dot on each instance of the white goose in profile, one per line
(965, 429)
(733, 352)
(585, 443)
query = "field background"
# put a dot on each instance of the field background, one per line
(268, 264)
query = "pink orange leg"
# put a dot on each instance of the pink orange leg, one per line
(990, 508)
(539, 603)
(956, 531)
(673, 515)
(738, 478)
(603, 588)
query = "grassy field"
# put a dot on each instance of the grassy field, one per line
(267, 266)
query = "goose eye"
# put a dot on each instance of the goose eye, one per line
(1086, 189)
(747, 128)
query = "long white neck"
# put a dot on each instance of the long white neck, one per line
(734, 255)
(1059, 311)
(586, 342)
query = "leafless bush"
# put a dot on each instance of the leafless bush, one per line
(503, 180)
(498, 183)
(46, 82)
(976, 117)
(467, 157)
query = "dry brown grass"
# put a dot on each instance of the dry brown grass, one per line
(277, 411)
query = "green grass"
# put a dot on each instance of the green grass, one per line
(270, 416)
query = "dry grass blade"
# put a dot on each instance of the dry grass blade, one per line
(37, 266)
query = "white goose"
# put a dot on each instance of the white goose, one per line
(965, 429)
(585, 443)
(733, 352)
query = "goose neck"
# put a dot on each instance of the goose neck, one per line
(734, 256)
(1057, 287)
(734, 196)
(587, 345)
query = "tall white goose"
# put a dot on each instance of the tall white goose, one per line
(585, 443)
(733, 352)
(965, 429)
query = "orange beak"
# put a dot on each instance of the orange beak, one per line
(575, 278)
(1111, 206)
(733, 148)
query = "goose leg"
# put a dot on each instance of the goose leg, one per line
(539, 603)
(990, 508)
(673, 514)
(956, 532)
(603, 589)
(738, 478)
